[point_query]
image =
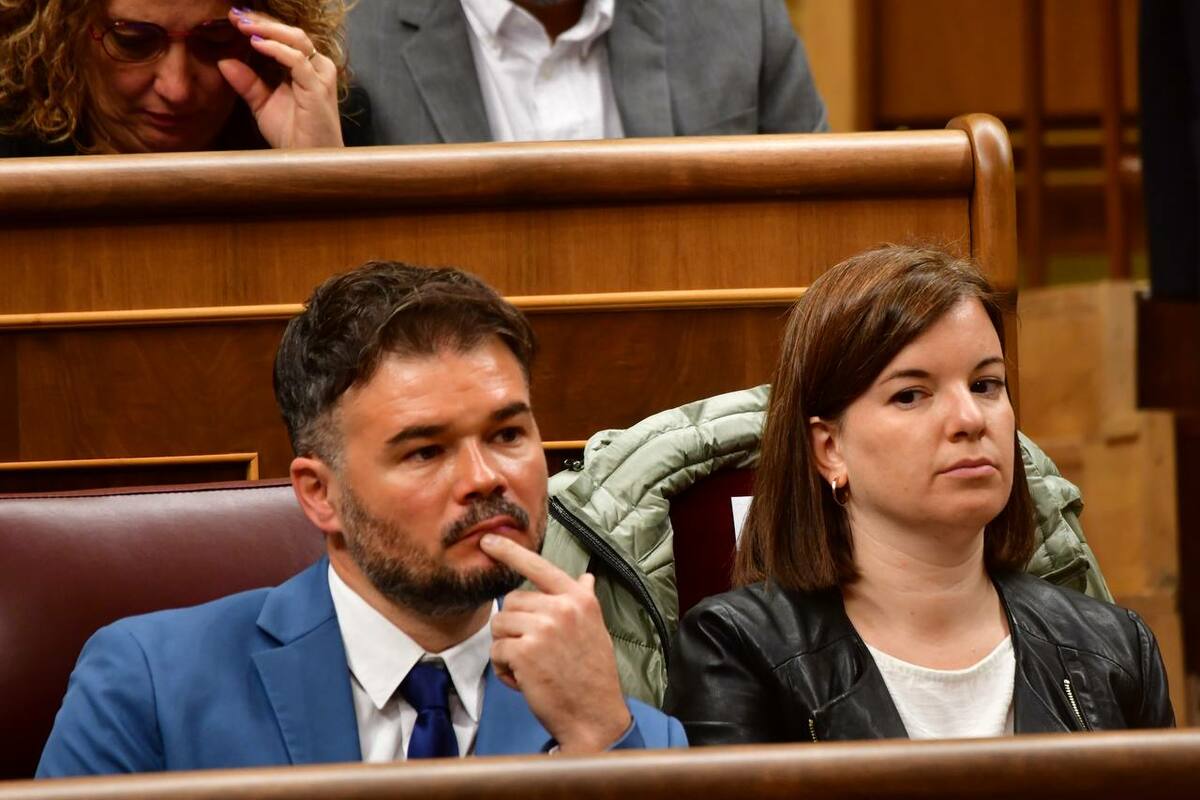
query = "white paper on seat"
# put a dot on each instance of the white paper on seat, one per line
(740, 507)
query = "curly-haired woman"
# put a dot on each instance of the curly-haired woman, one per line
(130, 76)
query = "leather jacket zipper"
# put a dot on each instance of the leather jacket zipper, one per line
(812, 728)
(1074, 706)
(594, 544)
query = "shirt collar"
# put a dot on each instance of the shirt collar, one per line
(596, 21)
(488, 16)
(380, 655)
(491, 18)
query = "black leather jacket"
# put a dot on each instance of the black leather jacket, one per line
(764, 665)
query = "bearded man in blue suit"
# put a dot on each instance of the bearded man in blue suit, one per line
(406, 395)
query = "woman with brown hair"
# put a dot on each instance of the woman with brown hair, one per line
(882, 591)
(130, 76)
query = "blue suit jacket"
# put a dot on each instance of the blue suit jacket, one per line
(253, 679)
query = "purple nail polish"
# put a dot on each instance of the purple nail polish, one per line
(256, 38)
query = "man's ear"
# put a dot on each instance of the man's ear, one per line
(823, 435)
(315, 486)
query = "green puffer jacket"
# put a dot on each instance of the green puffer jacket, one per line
(612, 517)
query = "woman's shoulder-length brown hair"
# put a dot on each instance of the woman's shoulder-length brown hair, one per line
(840, 335)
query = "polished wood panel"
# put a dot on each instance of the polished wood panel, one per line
(103, 473)
(180, 230)
(1032, 767)
(229, 243)
(492, 174)
(170, 391)
(935, 58)
(519, 251)
(613, 369)
(122, 385)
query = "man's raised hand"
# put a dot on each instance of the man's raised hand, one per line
(552, 646)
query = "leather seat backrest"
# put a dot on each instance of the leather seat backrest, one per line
(74, 562)
(702, 521)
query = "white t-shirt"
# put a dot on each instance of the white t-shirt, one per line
(969, 703)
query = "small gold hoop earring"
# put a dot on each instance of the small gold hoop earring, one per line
(845, 498)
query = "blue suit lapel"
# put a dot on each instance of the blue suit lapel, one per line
(507, 725)
(637, 63)
(306, 677)
(443, 68)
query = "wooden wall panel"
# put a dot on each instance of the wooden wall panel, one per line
(939, 54)
(1073, 59)
(137, 232)
(183, 389)
(938, 58)
(180, 231)
(605, 248)
(615, 368)
(170, 391)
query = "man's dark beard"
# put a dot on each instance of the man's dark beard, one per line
(408, 577)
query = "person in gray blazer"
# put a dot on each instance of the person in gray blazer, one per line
(482, 70)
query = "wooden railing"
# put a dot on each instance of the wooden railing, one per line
(1160, 764)
(105, 233)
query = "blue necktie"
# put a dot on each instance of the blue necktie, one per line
(427, 689)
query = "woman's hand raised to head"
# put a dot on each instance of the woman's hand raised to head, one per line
(302, 111)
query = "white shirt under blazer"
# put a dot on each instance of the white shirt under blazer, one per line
(380, 656)
(538, 90)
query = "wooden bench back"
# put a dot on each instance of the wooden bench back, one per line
(145, 295)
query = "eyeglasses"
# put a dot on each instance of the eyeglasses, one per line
(139, 42)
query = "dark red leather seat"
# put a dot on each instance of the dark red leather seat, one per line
(74, 562)
(702, 524)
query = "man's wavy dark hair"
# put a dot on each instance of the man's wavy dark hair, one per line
(353, 320)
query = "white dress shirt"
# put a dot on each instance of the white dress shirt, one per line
(380, 655)
(537, 90)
